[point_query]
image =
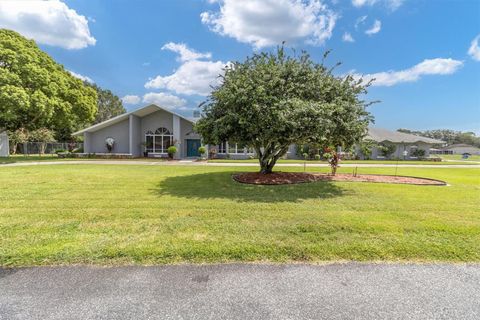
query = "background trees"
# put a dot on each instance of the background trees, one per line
(36, 92)
(273, 100)
(449, 136)
(108, 104)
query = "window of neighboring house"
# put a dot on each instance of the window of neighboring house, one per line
(159, 141)
(236, 148)
(222, 147)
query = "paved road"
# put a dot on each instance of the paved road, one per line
(231, 164)
(236, 291)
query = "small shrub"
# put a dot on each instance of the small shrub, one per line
(305, 156)
(171, 151)
(387, 150)
(317, 157)
(419, 153)
(57, 151)
(202, 150)
(77, 150)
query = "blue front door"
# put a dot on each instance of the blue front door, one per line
(192, 147)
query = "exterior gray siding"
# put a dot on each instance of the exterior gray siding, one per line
(156, 120)
(4, 145)
(118, 131)
(136, 136)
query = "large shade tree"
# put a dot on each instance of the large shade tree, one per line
(273, 100)
(36, 92)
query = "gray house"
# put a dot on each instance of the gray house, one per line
(149, 129)
(405, 143)
(152, 129)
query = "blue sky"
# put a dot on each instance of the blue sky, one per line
(424, 54)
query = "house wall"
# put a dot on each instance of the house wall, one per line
(118, 131)
(156, 120)
(87, 138)
(400, 148)
(4, 145)
(186, 132)
(136, 139)
(462, 150)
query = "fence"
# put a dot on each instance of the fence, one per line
(50, 147)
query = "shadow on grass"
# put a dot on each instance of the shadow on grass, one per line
(215, 185)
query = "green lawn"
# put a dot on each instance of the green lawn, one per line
(114, 214)
(415, 162)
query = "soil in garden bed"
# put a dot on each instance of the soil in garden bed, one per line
(276, 178)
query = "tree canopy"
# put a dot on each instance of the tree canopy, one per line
(273, 100)
(36, 92)
(109, 105)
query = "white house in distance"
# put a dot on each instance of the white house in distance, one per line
(460, 148)
(152, 129)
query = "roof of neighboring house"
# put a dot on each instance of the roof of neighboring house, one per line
(383, 135)
(140, 112)
(459, 145)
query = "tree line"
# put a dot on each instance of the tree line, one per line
(449, 136)
(40, 99)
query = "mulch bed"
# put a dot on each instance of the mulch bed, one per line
(277, 178)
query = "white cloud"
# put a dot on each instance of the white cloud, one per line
(186, 54)
(131, 99)
(265, 23)
(193, 77)
(376, 27)
(361, 3)
(347, 37)
(165, 100)
(81, 77)
(359, 21)
(474, 50)
(48, 22)
(391, 4)
(438, 66)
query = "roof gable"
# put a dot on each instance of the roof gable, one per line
(383, 135)
(140, 112)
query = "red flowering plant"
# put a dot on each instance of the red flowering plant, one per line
(333, 159)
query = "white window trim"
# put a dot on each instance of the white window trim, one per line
(155, 136)
(227, 150)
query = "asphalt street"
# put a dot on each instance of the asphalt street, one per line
(243, 291)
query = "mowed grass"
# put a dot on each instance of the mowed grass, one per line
(459, 157)
(118, 214)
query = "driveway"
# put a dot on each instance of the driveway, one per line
(243, 291)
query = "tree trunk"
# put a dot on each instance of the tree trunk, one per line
(269, 158)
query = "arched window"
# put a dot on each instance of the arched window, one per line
(162, 131)
(159, 141)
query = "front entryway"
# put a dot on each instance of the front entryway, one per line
(192, 147)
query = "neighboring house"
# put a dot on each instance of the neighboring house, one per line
(152, 129)
(149, 129)
(459, 149)
(4, 145)
(402, 141)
